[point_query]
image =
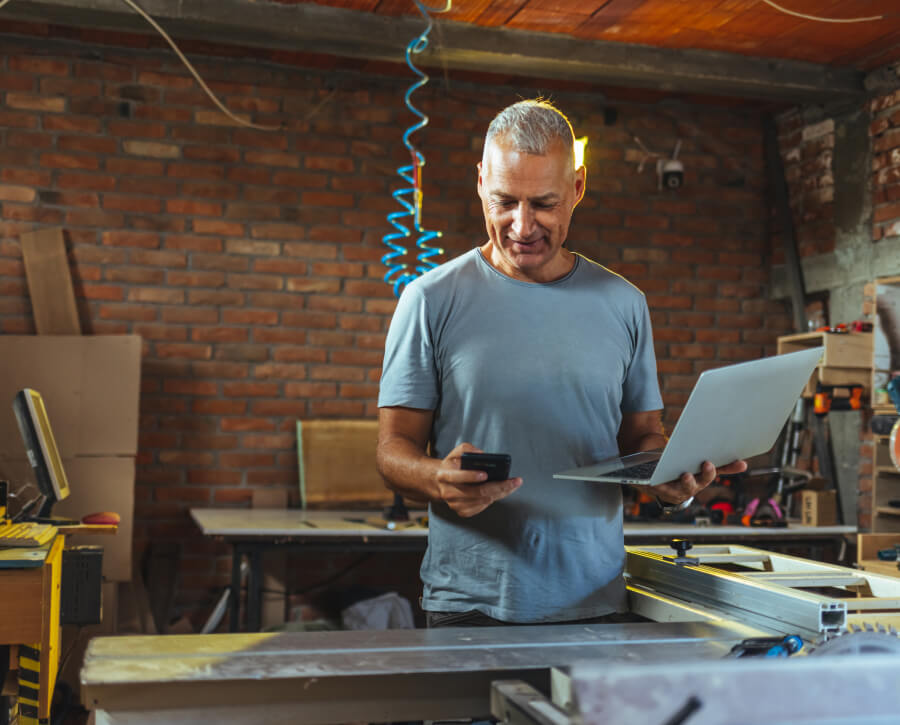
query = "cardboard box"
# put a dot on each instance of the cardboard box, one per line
(91, 388)
(818, 508)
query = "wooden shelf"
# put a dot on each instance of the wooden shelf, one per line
(847, 359)
(888, 510)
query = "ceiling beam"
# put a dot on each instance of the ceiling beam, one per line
(317, 29)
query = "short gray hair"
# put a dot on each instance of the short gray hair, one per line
(532, 126)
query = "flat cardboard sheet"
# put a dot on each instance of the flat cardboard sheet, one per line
(90, 386)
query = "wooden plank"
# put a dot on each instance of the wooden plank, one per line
(50, 282)
(337, 463)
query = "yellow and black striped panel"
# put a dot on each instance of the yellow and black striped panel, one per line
(29, 681)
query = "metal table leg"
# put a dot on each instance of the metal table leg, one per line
(254, 590)
(234, 596)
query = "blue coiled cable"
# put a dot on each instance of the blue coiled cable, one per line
(410, 197)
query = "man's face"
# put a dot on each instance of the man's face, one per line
(528, 201)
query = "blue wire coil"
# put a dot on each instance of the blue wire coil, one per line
(409, 197)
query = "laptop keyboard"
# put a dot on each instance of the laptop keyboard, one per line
(640, 471)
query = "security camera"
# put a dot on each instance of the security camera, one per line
(670, 172)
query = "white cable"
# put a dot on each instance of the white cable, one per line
(823, 20)
(190, 68)
(134, 6)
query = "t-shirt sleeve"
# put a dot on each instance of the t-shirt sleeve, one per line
(409, 374)
(641, 389)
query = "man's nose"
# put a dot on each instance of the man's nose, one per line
(523, 220)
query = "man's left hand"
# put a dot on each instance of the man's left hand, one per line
(681, 489)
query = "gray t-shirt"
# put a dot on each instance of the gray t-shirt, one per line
(542, 372)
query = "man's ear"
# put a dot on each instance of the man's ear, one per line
(580, 183)
(480, 186)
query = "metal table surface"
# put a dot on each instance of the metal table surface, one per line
(334, 677)
(235, 523)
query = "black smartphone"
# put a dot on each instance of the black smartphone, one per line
(496, 465)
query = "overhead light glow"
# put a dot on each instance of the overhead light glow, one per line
(580, 143)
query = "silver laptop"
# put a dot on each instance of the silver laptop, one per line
(734, 412)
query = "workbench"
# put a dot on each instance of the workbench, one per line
(253, 532)
(30, 581)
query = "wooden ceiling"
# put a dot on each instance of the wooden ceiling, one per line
(747, 27)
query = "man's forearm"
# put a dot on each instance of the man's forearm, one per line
(407, 470)
(650, 442)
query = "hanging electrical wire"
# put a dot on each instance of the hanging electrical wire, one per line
(409, 197)
(193, 71)
(820, 19)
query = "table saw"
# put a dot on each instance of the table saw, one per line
(700, 604)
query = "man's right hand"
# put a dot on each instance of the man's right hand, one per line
(469, 492)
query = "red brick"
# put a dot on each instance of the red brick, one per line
(247, 424)
(69, 88)
(68, 161)
(27, 177)
(144, 240)
(330, 163)
(291, 408)
(152, 149)
(160, 295)
(216, 154)
(199, 208)
(38, 65)
(284, 353)
(34, 102)
(16, 193)
(299, 180)
(127, 313)
(320, 320)
(137, 129)
(886, 212)
(336, 409)
(357, 357)
(164, 80)
(272, 158)
(250, 317)
(195, 171)
(186, 350)
(247, 390)
(184, 458)
(310, 250)
(220, 334)
(217, 226)
(136, 167)
(219, 407)
(11, 119)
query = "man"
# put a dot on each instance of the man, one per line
(521, 347)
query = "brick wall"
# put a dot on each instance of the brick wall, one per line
(885, 131)
(807, 152)
(249, 260)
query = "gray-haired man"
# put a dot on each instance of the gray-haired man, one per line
(522, 347)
